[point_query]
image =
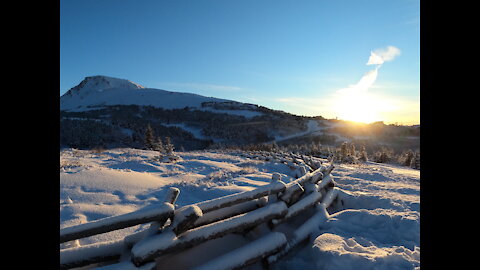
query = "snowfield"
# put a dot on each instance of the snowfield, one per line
(376, 226)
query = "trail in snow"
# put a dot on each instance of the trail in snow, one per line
(312, 127)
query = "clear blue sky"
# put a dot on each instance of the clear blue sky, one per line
(284, 54)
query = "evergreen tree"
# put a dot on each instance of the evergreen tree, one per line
(351, 150)
(344, 151)
(275, 146)
(415, 162)
(408, 158)
(363, 154)
(383, 156)
(149, 144)
(158, 146)
(168, 146)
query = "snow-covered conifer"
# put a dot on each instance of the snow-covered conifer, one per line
(149, 137)
(168, 146)
(158, 145)
(363, 154)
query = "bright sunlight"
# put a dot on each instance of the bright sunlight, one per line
(355, 103)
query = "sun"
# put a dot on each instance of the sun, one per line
(359, 106)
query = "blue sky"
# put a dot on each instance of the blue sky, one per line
(294, 56)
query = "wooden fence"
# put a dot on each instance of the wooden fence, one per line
(176, 230)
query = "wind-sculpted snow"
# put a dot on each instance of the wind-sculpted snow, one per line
(334, 251)
(373, 224)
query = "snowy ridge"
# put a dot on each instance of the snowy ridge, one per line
(323, 211)
(98, 91)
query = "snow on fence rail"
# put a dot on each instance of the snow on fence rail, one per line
(272, 205)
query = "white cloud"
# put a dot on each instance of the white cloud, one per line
(367, 80)
(355, 102)
(381, 56)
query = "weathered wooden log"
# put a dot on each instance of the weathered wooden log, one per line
(290, 164)
(292, 193)
(310, 187)
(316, 164)
(330, 197)
(230, 211)
(276, 177)
(89, 254)
(248, 254)
(295, 188)
(317, 175)
(327, 170)
(300, 171)
(154, 246)
(210, 205)
(326, 183)
(310, 162)
(185, 218)
(302, 205)
(132, 239)
(127, 266)
(156, 213)
(302, 232)
(305, 178)
(308, 167)
(172, 195)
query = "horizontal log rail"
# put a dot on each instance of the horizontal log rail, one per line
(210, 205)
(157, 213)
(88, 254)
(248, 254)
(148, 249)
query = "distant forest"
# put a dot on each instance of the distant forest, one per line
(125, 126)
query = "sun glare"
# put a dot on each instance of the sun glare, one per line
(360, 106)
(356, 108)
(357, 104)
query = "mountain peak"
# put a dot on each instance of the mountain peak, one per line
(95, 91)
(99, 83)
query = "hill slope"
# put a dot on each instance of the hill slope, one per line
(109, 112)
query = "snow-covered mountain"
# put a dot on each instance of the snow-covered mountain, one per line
(112, 112)
(98, 91)
(109, 111)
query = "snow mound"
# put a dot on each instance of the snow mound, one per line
(385, 226)
(336, 252)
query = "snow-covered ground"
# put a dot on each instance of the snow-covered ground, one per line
(378, 226)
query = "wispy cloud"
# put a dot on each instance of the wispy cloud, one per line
(356, 102)
(367, 80)
(383, 55)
